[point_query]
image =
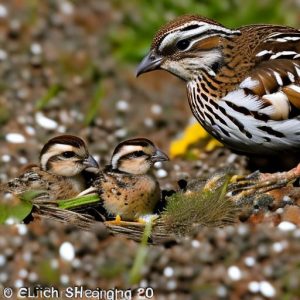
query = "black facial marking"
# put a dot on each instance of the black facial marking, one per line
(190, 27)
(134, 142)
(63, 140)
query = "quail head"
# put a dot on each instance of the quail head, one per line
(63, 171)
(243, 84)
(126, 186)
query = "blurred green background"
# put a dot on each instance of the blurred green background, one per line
(141, 19)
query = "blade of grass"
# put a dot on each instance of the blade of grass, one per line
(94, 103)
(50, 94)
(4, 213)
(135, 272)
(79, 201)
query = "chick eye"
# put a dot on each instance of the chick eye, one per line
(68, 154)
(183, 44)
(139, 153)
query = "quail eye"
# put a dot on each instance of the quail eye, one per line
(68, 154)
(139, 153)
(183, 44)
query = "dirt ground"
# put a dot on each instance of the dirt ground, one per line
(55, 63)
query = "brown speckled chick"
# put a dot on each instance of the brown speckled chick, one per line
(127, 186)
(62, 172)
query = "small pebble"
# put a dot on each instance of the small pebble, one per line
(3, 11)
(33, 277)
(6, 158)
(30, 130)
(15, 138)
(23, 273)
(45, 122)
(156, 109)
(61, 129)
(64, 279)
(148, 122)
(22, 94)
(296, 233)
(23, 160)
(11, 221)
(3, 277)
(243, 230)
(168, 271)
(196, 244)
(266, 289)
(122, 106)
(286, 199)
(54, 264)
(144, 283)
(36, 49)
(79, 282)
(161, 173)
(171, 285)
(76, 263)
(253, 287)
(121, 133)
(19, 283)
(250, 261)
(234, 273)
(287, 226)
(158, 165)
(27, 256)
(22, 229)
(278, 247)
(279, 211)
(3, 55)
(231, 158)
(2, 260)
(222, 291)
(67, 251)
(66, 8)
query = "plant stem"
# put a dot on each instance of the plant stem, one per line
(79, 201)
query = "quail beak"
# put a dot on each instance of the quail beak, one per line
(90, 162)
(150, 62)
(159, 156)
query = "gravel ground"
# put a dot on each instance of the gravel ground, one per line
(55, 60)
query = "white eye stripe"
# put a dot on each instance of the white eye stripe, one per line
(58, 149)
(177, 34)
(127, 149)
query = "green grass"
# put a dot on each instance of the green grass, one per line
(79, 201)
(52, 92)
(140, 258)
(207, 206)
(94, 103)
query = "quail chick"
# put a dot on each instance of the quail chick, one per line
(63, 171)
(127, 186)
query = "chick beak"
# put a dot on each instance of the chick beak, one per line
(159, 156)
(90, 162)
(150, 62)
